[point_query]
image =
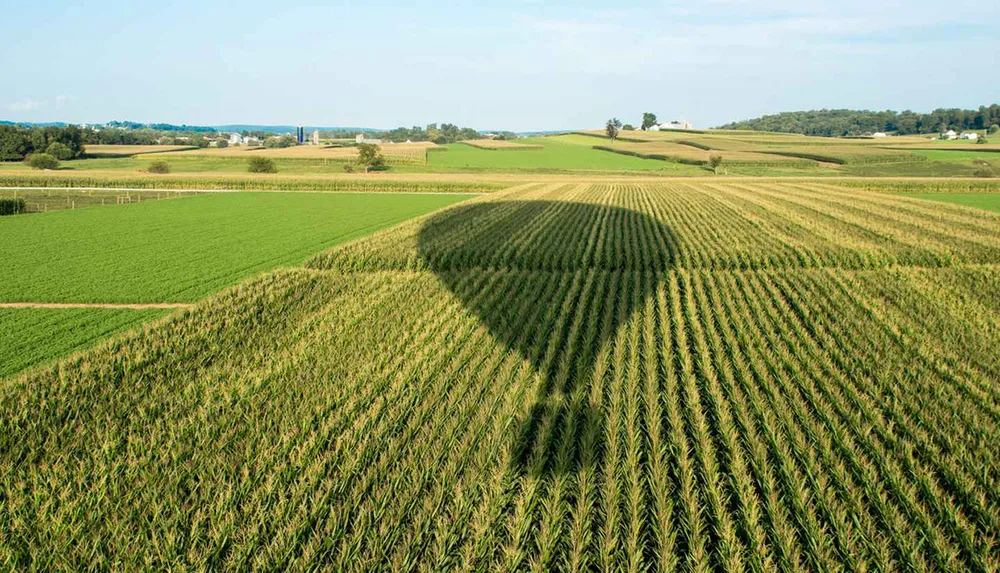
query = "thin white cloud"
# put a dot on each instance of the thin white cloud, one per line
(26, 104)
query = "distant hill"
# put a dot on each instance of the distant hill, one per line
(287, 128)
(845, 122)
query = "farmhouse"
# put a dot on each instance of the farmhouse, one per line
(681, 125)
(235, 139)
(880, 134)
(362, 139)
(969, 135)
(949, 135)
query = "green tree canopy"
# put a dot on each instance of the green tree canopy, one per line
(648, 120)
(612, 127)
(42, 161)
(60, 151)
(370, 157)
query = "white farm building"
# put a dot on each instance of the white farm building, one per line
(678, 125)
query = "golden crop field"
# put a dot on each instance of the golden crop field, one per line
(128, 150)
(393, 152)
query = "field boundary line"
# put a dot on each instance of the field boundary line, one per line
(123, 305)
(136, 190)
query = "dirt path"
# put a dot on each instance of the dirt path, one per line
(133, 306)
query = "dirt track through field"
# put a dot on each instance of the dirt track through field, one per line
(133, 306)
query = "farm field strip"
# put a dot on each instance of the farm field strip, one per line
(134, 306)
(501, 145)
(234, 182)
(685, 153)
(395, 153)
(128, 150)
(988, 201)
(705, 225)
(562, 376)
(180, 251)
(196, 191)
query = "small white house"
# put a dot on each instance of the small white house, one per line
(681, 125)
(971, 135)
(235, 139)
(880, 134)
(362, 139)
(949, 135)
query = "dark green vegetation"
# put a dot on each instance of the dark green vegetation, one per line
(30, 336)
(182, 250)
(844, 122)
(17, 143)
(705, 376)
(11, 205)
(159, 166)
(42, 161)
(261, 165)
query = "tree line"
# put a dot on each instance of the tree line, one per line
(63, 143)
(846, 122)
(67, 142)
(440, 134)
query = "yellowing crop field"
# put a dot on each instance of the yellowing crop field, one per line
(128, 150)
(394, 152)
(494, 144)
(617, 376)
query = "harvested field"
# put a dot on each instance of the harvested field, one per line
(393, 152)
(499, 144)
(92, 150)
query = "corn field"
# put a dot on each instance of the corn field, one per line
(627, 377)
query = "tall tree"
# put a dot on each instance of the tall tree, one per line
(648, 120)
(612, 128)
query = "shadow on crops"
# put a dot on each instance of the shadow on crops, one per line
(554, 281)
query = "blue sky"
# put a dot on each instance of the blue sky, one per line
(520, 64)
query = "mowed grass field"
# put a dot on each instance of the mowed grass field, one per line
(618, 376)
(182, 250)
(164, 251)
(988, 201)
(555, 154)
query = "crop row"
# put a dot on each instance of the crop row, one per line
(517, 419)
(243, 183)
(678, 225)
